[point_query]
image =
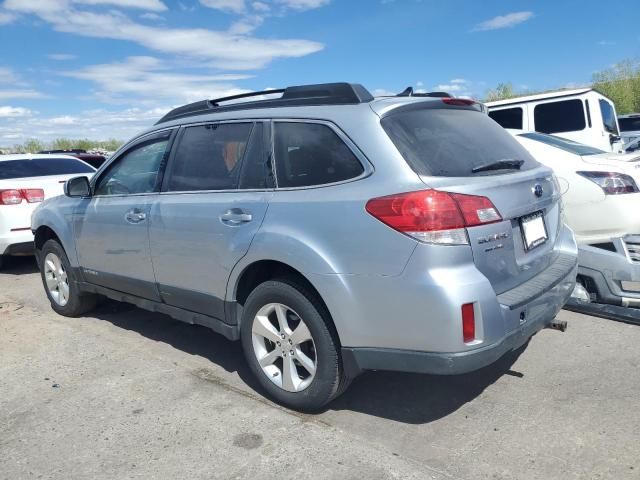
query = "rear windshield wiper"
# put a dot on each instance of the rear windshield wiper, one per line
(499, 165)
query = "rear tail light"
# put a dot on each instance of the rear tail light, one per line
(612, 183)
(15, 197)
(433, 216)
(468, 323)
(33, 195)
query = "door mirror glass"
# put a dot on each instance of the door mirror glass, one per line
(77, 187)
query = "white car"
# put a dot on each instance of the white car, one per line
(601, 198)
(25, 181)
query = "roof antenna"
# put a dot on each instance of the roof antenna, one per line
(407, 92)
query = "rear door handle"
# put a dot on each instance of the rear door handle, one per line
(235, 216)
(135, 216)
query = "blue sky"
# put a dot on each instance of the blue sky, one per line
(109, 68)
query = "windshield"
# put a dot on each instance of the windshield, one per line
(563, 143)
(629, 124)
(40, 167)
(608, 117)
(453, 142)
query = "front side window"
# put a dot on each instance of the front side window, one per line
(310, 154)
(556, 117)
(209, 157)
(608, 117)
(508, 117)
(136, 171)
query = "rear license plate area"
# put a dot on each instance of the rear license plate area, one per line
(534, 230)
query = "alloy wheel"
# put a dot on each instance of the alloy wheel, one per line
(284, 347)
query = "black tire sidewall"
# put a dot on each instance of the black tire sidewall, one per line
(76, 305)
(327, 377)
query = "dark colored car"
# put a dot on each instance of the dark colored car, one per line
(93, 159)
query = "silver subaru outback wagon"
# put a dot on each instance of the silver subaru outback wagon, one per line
(328, 231)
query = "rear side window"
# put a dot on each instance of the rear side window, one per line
(40, 167)
(452, 142)
(209, 157)
(608, 117)
(312, 154)
(508, 117)
(629, 124)
(556, 117)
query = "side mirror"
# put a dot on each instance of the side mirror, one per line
(77, 187)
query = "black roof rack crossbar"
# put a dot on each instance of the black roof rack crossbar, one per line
(297, 96)
(217, 101)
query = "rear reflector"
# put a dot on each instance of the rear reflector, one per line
(433, 216)
(468, 323)
(15, 197)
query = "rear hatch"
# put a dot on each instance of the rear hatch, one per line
(456, 148)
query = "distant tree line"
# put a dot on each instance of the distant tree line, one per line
(33, 145)
(621, 83)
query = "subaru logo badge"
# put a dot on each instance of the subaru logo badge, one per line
(537, 190)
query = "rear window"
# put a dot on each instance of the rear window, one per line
(508, 117)
(452, 142)
(562, 143)
(556, 117)
(629, 124)
(40, 167)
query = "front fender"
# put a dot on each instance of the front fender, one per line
(57, 214)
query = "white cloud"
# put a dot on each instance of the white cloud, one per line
(232, 50)
(303, 4)
(459, 81)
(450, 87)
(62, 56)
(152, 16)
(383, 92)
(147, 80)
(606, 43)
(6, 18)
(13, 112)
(20, 93)
(503, 21)
(153, 5)
(260, 7)
(235, 6)
(7, 75)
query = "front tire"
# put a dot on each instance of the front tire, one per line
(291, 346)
(60, 282)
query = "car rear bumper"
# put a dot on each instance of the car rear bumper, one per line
(541, 311)
(614, 273)
(16, 243)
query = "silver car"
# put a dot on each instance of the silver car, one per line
(328, 231)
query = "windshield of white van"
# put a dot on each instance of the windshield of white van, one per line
(455, 143)
(608, 117)
(562, 143)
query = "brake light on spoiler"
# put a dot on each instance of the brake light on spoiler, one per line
(16, 196)
(433, 216)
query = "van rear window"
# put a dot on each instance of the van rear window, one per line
(41, 167)
(453, 142)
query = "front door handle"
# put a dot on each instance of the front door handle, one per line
(235, 216)
(135, 216)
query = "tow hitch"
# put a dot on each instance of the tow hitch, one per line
(558, 325)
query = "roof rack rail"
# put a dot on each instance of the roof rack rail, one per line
(297, 96)
(409, 92)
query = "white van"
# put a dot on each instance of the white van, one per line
(583, 115)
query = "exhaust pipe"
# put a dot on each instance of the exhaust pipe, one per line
(558, 325)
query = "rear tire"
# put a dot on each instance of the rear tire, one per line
(60, 282)
(302, 375)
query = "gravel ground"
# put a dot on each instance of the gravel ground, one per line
(124, 393)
